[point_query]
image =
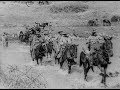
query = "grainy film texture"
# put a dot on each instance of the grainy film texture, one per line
(59, 44)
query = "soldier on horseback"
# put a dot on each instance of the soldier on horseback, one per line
(94, 44)
(21, 36)
(37, 39)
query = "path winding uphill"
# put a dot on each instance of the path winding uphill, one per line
(59, 79)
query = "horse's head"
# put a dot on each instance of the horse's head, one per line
(108, 46)
(110, 53)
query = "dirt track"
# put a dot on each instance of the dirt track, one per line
(19, 54)
(20, 14)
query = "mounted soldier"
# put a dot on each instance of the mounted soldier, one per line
(37, 39)
(94, 41)
(21, 36)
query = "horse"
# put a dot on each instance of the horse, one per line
(99, 58)
(115, 18)
(69, 53)
(26, 37)
(106, 22)
(39, 52)
(49, 47)
(92, 23)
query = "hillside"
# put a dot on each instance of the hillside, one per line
(67, 16)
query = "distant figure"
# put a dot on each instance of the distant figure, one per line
(4, 40)
(21, 36)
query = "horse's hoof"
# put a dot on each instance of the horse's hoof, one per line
(86, 79)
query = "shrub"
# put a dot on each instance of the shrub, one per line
(22, 77)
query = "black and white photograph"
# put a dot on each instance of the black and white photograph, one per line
(60, 44)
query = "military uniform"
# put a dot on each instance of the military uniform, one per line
(69, 40)
(95, 41)
(31, 38)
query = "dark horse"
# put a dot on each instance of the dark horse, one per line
(39, 52)
(24, 37)
(50, 48)
(99, 58)
(69, 53)
(92, 23)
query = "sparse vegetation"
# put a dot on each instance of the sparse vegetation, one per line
(68, 9)
(16, 16)
(22, 77)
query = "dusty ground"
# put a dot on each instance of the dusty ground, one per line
(16, 53)
(19, 54)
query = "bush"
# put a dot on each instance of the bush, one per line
(68, 8)
(22, 77)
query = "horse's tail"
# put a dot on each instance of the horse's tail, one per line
(81, 57)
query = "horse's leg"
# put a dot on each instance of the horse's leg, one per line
(86, 69)
(55, 60)
(37, 61)
(50, 54)
(92, 68)
(69, 67)
(61, 63)
(58, 60)
(85, 74)
(81, 63)
(101, 72)
(41, 60)
(55, 57)
(32, 54)
(105, 75)
(6, 43)
(47, 54)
